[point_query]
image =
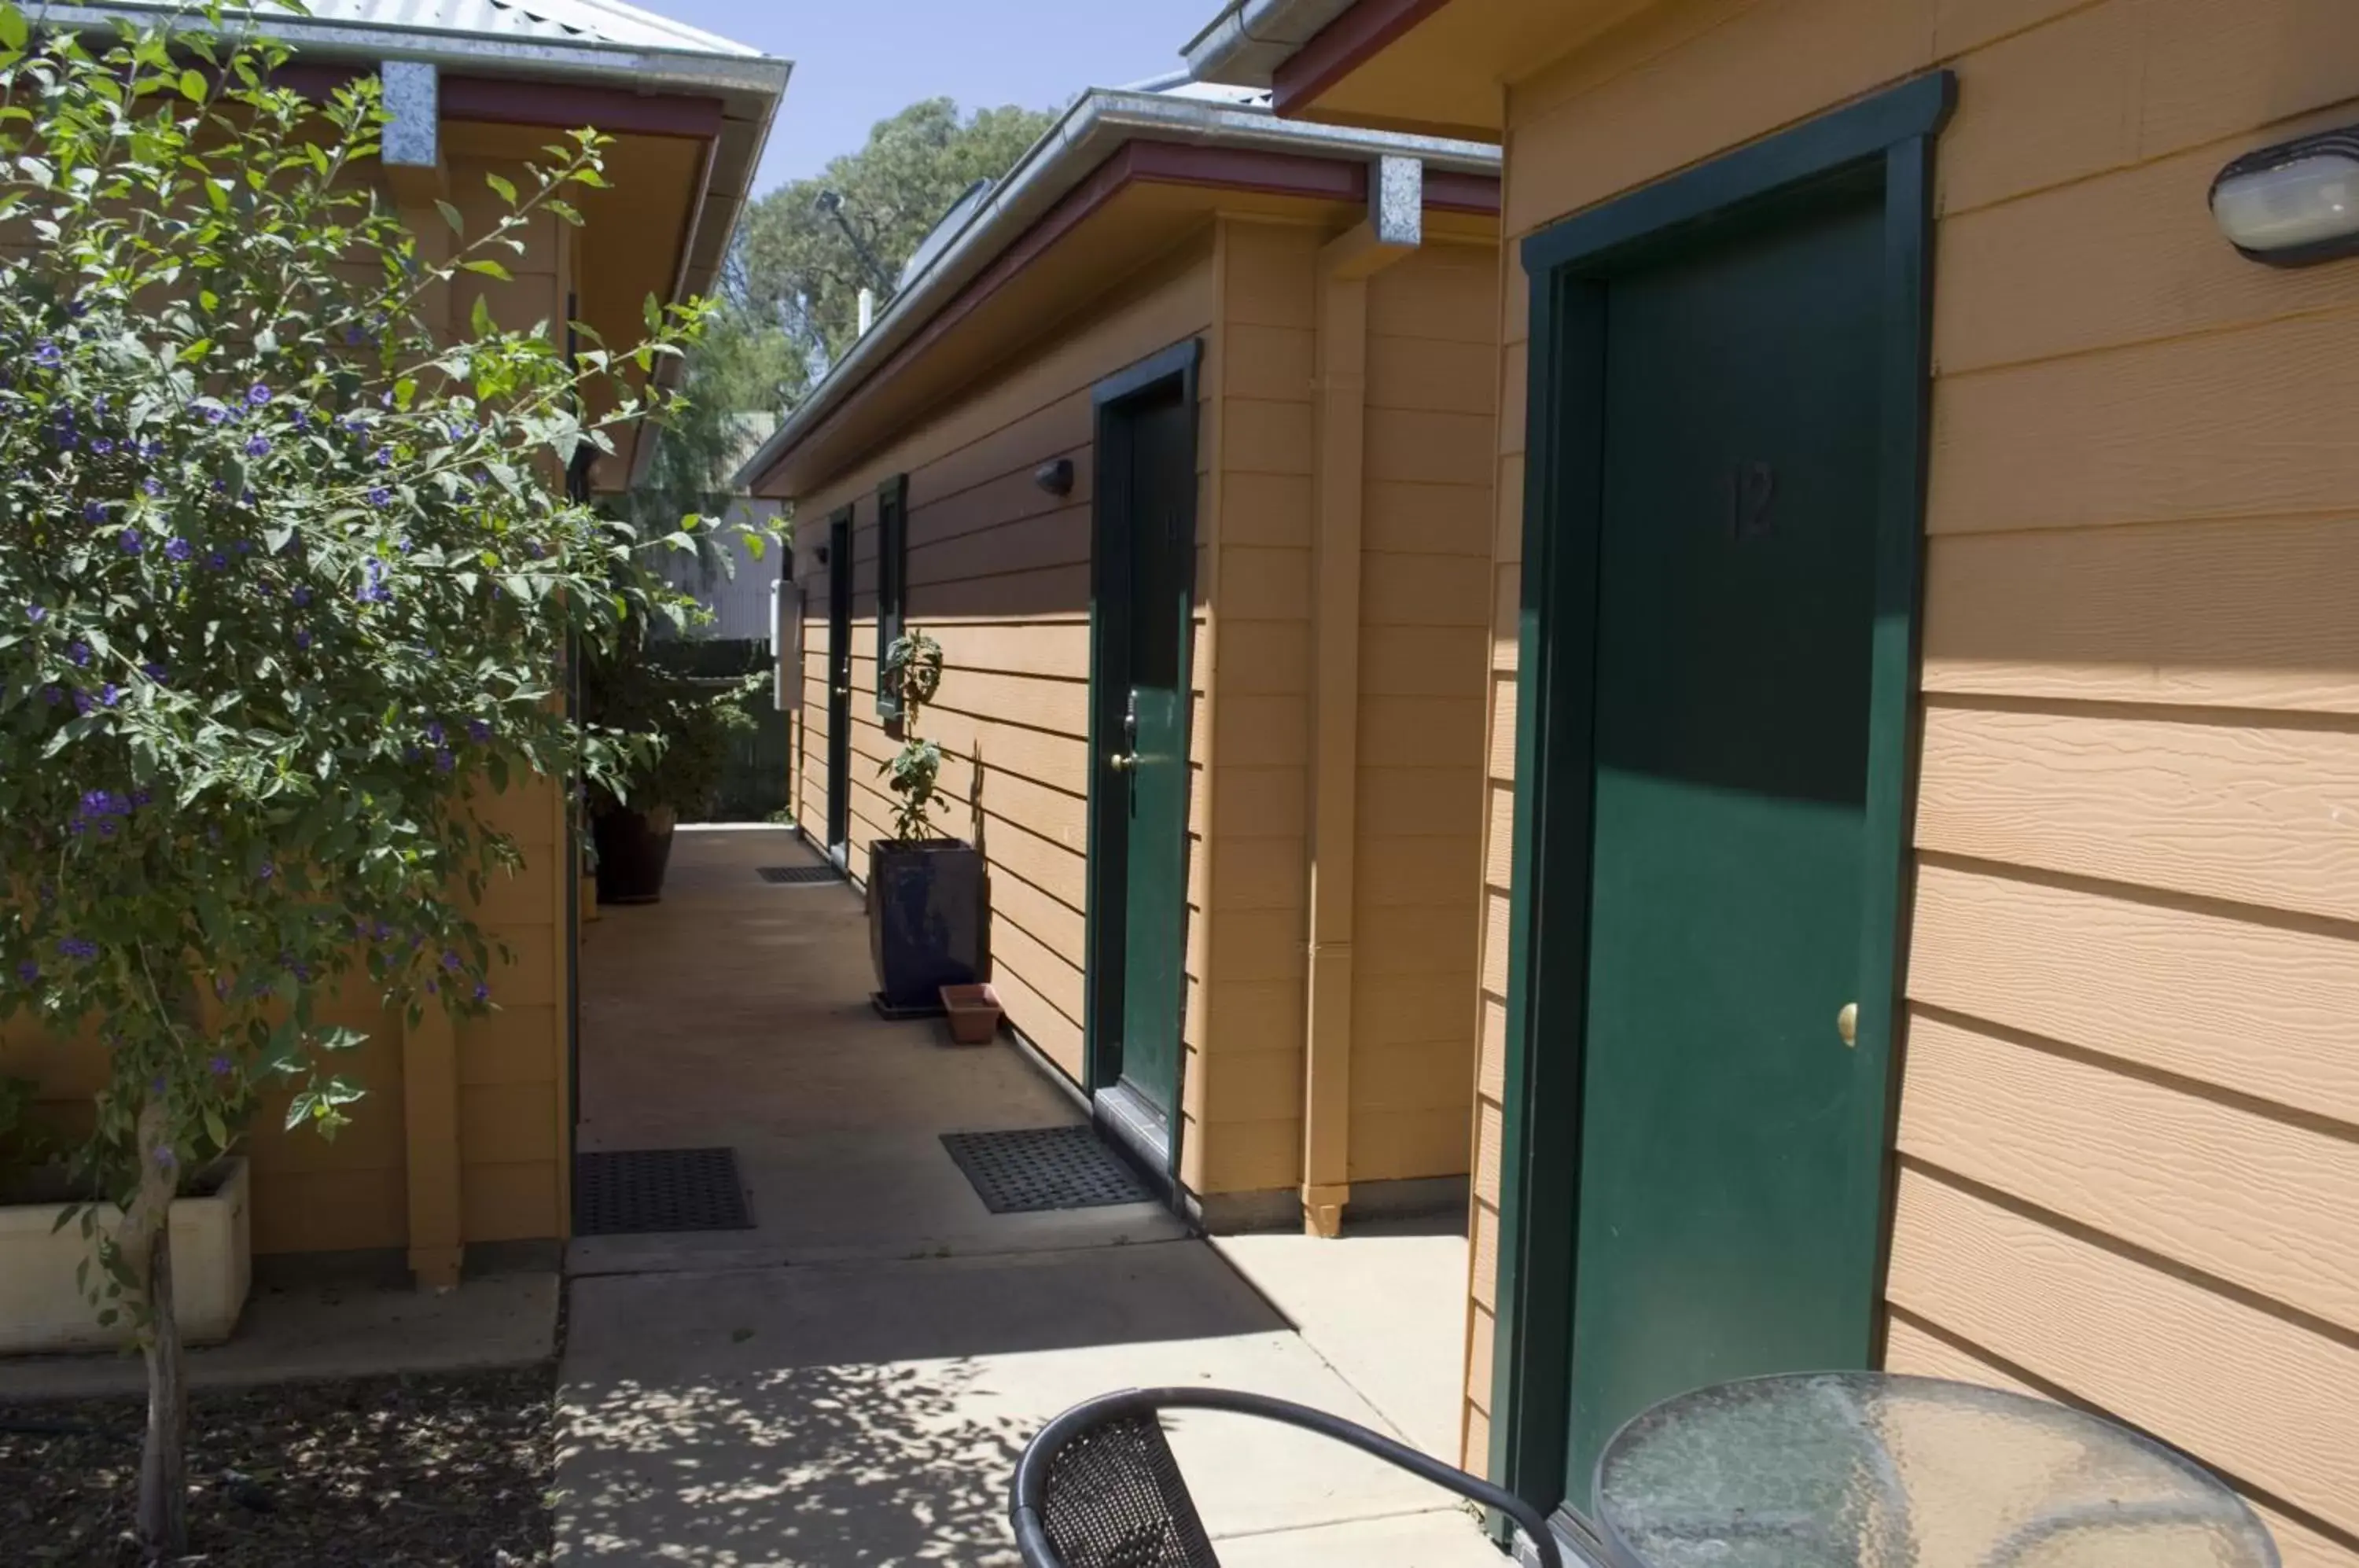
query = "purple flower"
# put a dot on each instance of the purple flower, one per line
(165, 1158)
(178, 548)
(444, 762)
(36, 614)
(245, 546)
(83, 702)
(131, 542)
(217, 561)
(215, 415)
(302, 417)
(384, 457)
(155, 672)
(302, 640)
(141, 798)
(220, 1066)
(353, 424)
(379, 496)
(302, 596)
(267, 873)
(434, 731)
(101, 446)
(152, 487)
(94, 511)
(478, 730)
(152, 448)
(77, 947)
(373, 591)
(111, 695)
(257, 395)
(483, 992)
(258, 446)
(451, 962)
(53, 695)
(48, 354)
(79, 651)
(28, 972)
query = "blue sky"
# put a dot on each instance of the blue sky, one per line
(857, 61)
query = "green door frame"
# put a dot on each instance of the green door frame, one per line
(838, 827)
(1105, 835)
(1885, 142)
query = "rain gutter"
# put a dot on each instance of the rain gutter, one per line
(1091, 131)
(1245, 44)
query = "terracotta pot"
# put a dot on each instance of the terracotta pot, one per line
(973, 1013)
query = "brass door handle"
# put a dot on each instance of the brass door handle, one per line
(1122, 761)
(1847, 1024)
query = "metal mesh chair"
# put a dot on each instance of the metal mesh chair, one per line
(1099, 1488)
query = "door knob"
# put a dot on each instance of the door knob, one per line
(1847, 1024)
(1122, 761)
(843, 690)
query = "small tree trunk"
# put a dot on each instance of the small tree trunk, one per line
(148, 1248)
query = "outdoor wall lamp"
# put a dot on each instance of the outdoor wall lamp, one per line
(2294, 204)
(1055, 476)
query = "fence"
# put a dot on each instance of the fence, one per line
(753, 781)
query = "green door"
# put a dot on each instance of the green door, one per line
(839, 688)
(1158, 498)
(1719, 1231)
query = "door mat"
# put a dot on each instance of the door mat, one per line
(798, 875)
(641, 1191)
(1036, 1169)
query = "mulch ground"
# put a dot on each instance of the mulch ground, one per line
(453, 1470)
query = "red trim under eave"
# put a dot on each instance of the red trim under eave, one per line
(555, 106)
(566, 105)
(1342, 47)
(1162, 163)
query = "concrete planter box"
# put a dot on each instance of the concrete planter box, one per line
(212, 1265)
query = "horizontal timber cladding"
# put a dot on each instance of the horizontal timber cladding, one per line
(998, 572)
(2130, 1096)
(503, 1108)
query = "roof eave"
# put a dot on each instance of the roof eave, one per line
(1089, 132)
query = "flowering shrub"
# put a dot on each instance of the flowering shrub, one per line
(287, 586)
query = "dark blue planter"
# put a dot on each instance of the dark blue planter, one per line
(925, 921)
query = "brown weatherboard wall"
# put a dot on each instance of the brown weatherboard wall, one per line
(494, 1087)
(998, 572)
(2129, 1131)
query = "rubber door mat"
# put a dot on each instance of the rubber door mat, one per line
(1034, 1169)
(798, 875)
(642, 1190)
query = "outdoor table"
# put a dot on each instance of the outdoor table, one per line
(1873, 1470)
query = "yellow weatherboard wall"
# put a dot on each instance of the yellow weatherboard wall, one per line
(2128, 1139)
(461, 1136)
(998, 572)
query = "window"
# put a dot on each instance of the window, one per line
(892, 583)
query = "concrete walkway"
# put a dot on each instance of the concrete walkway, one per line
(850, 1383)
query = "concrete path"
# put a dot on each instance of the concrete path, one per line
(851, 1382)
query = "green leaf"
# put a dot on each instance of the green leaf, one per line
(193, 83)
(13, 32)
(451, 216)
(489, 268)
(507, 191)
(215, 1129)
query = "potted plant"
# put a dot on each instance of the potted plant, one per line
(44, 1258)
(924, 891)
(678, 732)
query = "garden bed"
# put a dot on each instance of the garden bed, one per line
(453, 1470)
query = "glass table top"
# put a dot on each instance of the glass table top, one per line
(1875, 1470)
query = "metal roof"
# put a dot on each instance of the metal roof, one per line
(585, 22)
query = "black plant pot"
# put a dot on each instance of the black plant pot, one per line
(634, 847)
(925, 921)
